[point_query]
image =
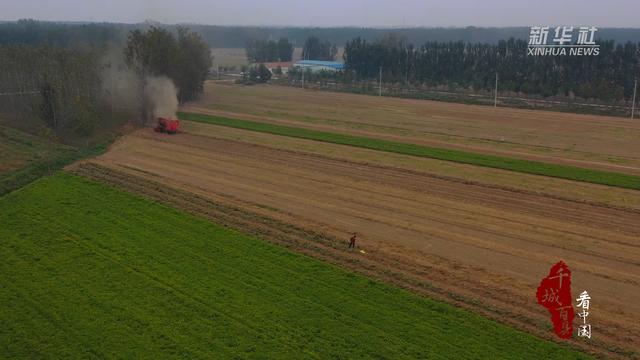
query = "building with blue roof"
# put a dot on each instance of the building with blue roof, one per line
(318, 65)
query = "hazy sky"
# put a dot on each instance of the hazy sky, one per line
(614, 13)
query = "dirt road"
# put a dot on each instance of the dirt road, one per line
(485, 244)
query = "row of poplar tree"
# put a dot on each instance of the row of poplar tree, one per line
(261, 51)
(607, 76)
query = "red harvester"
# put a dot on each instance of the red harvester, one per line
(169, 126)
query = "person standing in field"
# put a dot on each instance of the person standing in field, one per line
(352, 241)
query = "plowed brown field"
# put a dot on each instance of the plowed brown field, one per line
(478, 245)
(601, 142)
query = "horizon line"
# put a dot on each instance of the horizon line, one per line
(374, 27)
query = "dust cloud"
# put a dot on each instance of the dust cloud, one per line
(126, 91)
(162, 96)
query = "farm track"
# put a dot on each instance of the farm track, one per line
(480, 247)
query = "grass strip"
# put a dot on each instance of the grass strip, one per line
(38, 157)
(34, 170)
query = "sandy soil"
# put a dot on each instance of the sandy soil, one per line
(609, 143)
(485, 244)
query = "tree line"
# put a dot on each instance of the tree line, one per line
(40, 32)
(59, 86)
(261, 51)
(184, 58)
(315, 49)
(608, 76)
(70, 89)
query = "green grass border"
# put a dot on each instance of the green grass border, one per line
(16, 179)
(498, 162)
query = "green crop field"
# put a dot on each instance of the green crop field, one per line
(498, 162)
(89, 271)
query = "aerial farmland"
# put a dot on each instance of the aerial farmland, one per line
(240, 192)
(501, 228)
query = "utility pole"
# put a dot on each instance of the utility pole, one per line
(380, 89)
(218, 70)
(406, 73)
(495, 98)
(112, 89)
(633, 105)
(304, 57)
